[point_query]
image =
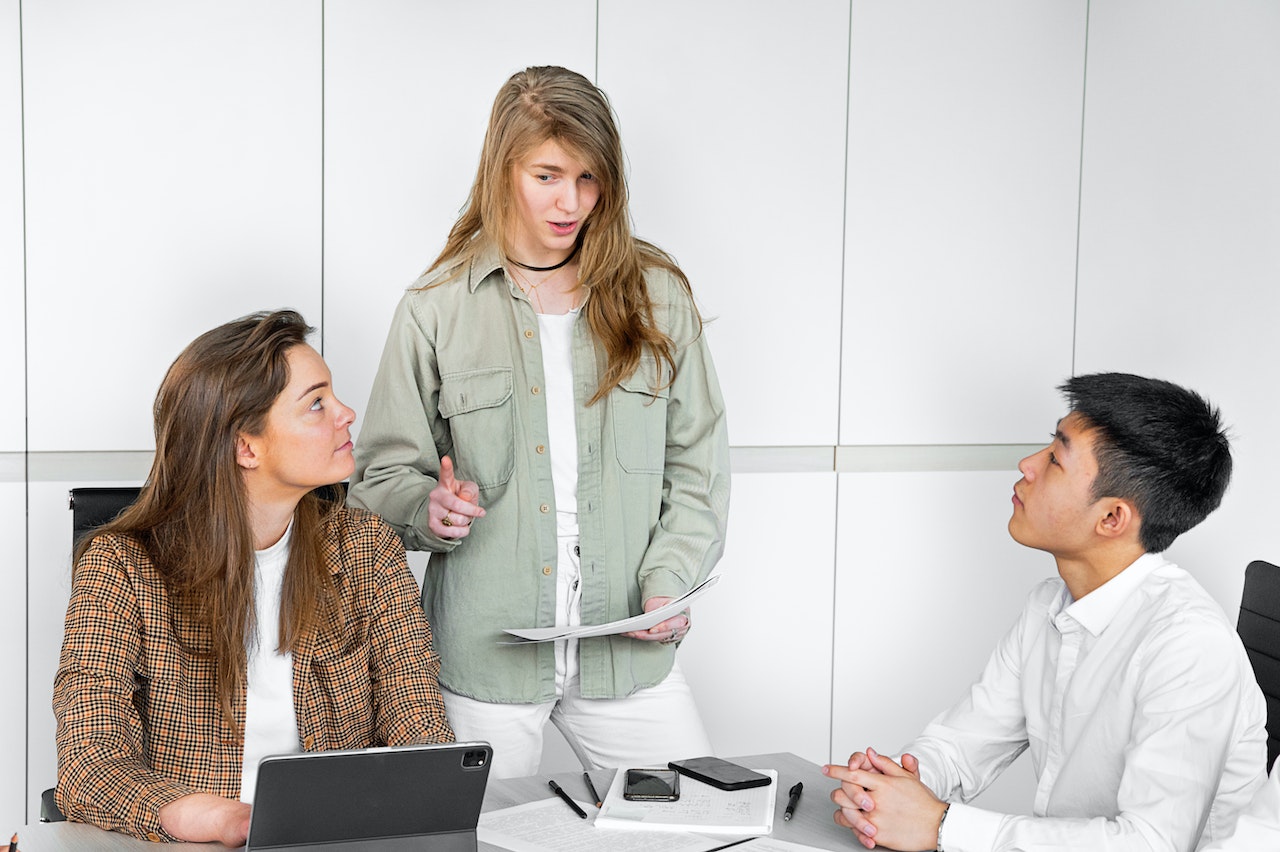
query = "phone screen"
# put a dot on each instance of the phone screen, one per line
(652, 785)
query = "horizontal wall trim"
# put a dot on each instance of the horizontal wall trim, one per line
(884, 458)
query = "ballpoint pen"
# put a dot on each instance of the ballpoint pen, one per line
(793, 801)
(559, 791)
(595, 797)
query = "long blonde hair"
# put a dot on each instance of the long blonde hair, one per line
(549, 102)
(192, 516)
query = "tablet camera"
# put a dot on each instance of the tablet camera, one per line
(474, 758)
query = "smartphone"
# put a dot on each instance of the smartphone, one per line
(720, 773)
(651, 785)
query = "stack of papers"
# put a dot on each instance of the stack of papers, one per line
(626, 625)
(701, 808)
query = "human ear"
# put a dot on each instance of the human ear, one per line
(246, 457)
(1121, 518)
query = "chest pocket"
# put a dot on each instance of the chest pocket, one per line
(481, 417)
(640, 419)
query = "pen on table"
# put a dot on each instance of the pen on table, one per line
(793, 801)
(586, 776)
(559, 791)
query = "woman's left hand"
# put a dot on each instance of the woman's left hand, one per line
(673, 629)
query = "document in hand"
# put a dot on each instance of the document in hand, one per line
(701, 808)
(636, 622)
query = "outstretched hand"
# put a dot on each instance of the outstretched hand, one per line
(453, 504)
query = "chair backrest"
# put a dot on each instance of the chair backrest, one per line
(1259, 629)
(93, 507)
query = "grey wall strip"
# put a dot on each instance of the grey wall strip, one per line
(133, 466)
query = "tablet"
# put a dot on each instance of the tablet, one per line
(378, 799)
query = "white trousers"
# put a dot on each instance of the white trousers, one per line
(647, 728)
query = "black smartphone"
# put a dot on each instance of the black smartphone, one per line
(720, 773)
(651, 785)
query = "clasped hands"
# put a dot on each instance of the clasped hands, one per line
(884, 803)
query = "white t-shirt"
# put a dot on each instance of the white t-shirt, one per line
(271, 725)
(562, 423)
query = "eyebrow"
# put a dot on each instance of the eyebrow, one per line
(314, 387)
(546, 167)
(1061, 437)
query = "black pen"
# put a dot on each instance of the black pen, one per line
(559, 791)
(793, 801)
(13, 844)
(586, 776)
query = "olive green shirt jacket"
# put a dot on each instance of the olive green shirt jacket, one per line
(461, 375)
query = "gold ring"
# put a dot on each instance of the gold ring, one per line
(445, 520)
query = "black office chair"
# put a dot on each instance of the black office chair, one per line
(1259, 629)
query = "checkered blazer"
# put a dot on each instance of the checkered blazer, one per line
(138, 718)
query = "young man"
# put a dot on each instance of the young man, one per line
(1122, 676)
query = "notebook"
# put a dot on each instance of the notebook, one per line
(701, 808)
(419, 797)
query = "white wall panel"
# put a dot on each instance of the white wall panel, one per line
(13, 661)
(759, 655)
(964, 149)
(12, 369)
(173, 183)
(733, 117)
(1179, 260)
(408, 89)
(928, 580)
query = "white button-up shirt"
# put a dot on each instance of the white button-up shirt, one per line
(1138, 706)
(1258, 828)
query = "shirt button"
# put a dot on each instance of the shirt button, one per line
(309, 742)
(528, 333)
(544, 508)
(546, 570)
(541, 449)
(535, 390)
(153, 837)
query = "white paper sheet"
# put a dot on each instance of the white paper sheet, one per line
(636, 622)
(772, 844)
(549, 826)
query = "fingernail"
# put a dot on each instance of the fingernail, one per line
(865, 804)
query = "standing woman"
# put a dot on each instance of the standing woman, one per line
(231, 612)
(546, 421)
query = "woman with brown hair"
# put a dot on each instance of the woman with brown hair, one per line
(231, 612)
(546, 421)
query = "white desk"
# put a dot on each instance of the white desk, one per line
(811, 825)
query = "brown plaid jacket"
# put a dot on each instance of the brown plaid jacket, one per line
(138, 719)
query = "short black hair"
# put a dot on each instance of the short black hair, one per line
(1160, 446)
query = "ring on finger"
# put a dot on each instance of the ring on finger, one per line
(444, 521)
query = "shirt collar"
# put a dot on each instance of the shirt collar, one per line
(1096, 610)
(486, 261)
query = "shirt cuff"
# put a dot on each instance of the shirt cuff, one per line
(970, 829)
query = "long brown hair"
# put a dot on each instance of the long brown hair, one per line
(549, 102)
(192, 515)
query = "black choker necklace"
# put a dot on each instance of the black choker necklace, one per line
(572, 254)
